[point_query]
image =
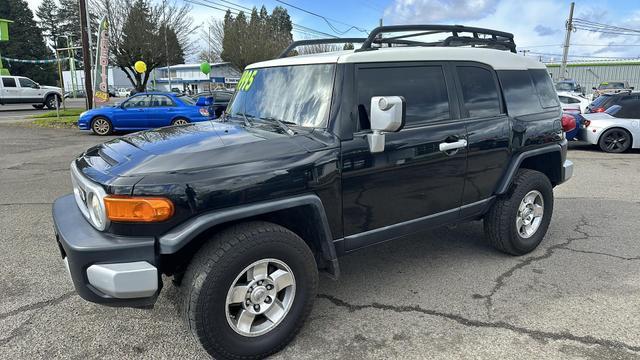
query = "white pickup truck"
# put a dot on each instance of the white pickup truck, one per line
(22, 90)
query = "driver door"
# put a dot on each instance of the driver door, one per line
(133, 113)
(30, 90)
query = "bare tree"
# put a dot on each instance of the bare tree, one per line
(211, 34)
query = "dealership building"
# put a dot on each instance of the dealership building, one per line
(591, 73)
(188, 77)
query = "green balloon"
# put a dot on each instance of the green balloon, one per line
(205, 68)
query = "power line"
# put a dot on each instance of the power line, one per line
(328, 20)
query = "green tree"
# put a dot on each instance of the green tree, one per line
(69, 21)
(48, 13)
(261, 37)
(26, 42)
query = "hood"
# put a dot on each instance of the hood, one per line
(46, 87)
(194, 147)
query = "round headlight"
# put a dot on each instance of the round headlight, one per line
(96, 211)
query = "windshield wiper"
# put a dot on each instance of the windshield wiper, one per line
(245, 118)
(281, 124)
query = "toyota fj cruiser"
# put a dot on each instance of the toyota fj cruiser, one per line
(317, 156)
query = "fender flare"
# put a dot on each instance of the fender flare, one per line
(181, 235)
(46, 95)
(517, 160)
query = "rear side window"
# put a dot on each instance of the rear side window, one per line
(423, 88)
(519, 92)
(568, 100)
(9, 82)
(630, 108)
(544, 87)
(479, 91)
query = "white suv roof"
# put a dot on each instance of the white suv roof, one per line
(497, 59)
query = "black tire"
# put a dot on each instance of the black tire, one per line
(500, 222)
(616, 140)
(51, 100)
(179, 121)
(101, 126)
(215, 268)
(38, 106)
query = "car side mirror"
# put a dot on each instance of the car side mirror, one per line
(204, 101)
(35, 86)
(594, 88)
(387, 115)
(631, 87)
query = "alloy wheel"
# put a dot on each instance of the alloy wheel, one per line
(530, 214)
(260, 297)
(615, 140)
(101, 126)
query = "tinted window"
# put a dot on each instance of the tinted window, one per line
(161, 101)
(479, 91)
(568, 100)
(26, 83)
(187, 100)
(630, 108)
(544, 87)
(138, 101)
(601, 101)
(519, 93)
(9, 82)
(423, 88)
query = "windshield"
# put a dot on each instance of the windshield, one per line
(564, 86)
(611, 85)
(298, 94)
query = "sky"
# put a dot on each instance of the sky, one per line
(538, 25)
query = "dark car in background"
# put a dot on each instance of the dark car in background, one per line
(569, 85)
(221, 99)
(603, 102)
(612, 87)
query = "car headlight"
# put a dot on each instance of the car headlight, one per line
(96, 211)
(82, 113)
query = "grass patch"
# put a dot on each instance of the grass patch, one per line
(63, 113)
(66, 122)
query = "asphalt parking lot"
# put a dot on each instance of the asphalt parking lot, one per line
(439, 294)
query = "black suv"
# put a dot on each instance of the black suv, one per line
(605, 101)
(317, 156)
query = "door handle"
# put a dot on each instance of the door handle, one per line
(447, 146)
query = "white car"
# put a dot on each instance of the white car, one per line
(22, 90)
(615, 130)
(122, 92)
(572, 102)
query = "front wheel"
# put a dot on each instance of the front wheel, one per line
(249, 290)
(615, 141)
(516, 223)
(101, 126)
(52, 101)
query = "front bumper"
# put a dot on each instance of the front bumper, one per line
(105, 268)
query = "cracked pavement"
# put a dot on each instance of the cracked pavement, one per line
(439, 294)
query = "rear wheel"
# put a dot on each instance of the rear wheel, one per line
(179, 121)
(615, 141)
(249, 290)
(516, 223)
(101, 126)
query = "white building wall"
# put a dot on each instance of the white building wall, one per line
(590, 74)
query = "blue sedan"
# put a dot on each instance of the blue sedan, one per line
(145, 111)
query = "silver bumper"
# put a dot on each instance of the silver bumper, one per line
(124, 280)
(567, 170)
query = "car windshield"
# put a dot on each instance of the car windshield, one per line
(186, 99)
(564, 86)
(298, 95)
(611, 85)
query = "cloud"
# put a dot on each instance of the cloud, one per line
(416, 11)
(544, 30)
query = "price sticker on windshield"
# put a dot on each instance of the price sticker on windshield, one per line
(246, 80)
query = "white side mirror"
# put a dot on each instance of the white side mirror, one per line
(387, 115)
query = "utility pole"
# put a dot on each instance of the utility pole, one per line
(567, 38)
(524, 52)
(86, 54)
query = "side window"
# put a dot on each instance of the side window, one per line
(161, 101)
(564, 99)
(630, 108)
(519, 92)
(544, 87)
(423, 88)
(479, 91)
(138, 102)
(9, 82)
(26, 83)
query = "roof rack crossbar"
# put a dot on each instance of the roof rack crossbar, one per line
(297, 43)
(499, 39)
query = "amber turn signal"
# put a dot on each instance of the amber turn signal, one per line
(138, 209)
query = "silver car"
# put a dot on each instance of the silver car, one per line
(615, 130)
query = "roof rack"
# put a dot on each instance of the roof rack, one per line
(297, 43)
(497, 40)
